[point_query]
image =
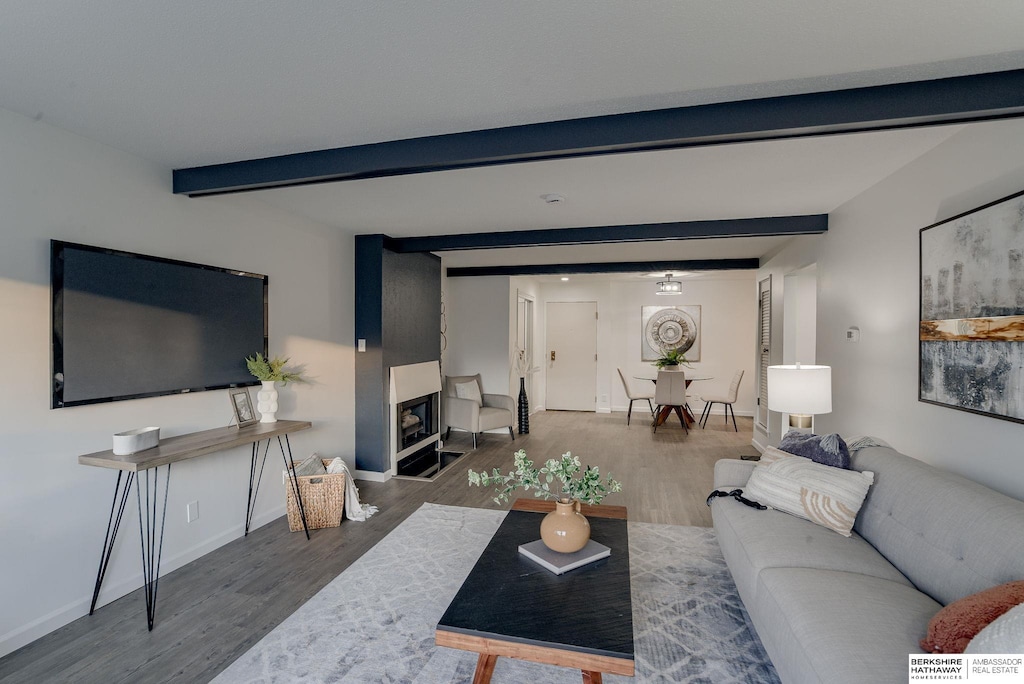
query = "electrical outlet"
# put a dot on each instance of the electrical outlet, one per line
(362, 345)
(192, 511)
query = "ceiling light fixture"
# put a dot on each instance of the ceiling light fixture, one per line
(564, 278)
(669, 286)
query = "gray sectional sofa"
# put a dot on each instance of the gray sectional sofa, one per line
(834, 609)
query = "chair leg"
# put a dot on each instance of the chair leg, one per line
(629, 412)
(474, 440)
(682, 418)
(706, 414)
(733, 411)
(650, 406)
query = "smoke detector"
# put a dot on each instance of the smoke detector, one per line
(552, 198)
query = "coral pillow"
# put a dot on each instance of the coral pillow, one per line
(828, 450)
(953, 627)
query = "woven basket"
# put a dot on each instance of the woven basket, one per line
(323, 498)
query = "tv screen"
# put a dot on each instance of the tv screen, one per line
(128, 325)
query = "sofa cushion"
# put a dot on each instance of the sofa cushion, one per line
(1004, 635)
(822, 494)
(951, 537)
(491, 418)
(954, 626)
(828, 450)
(839, 627)
(754, 540)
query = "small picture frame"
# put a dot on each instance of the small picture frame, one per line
(242, 405)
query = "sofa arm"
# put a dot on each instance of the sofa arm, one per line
(731, 472)
(502, 401)
(463, 414)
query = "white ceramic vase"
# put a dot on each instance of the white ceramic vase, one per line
(266, 402)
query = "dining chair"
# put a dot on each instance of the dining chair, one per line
(670, 392)
(635, 396)
(726, 400)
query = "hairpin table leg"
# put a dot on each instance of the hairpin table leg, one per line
(295, 482)
(250, 504)
(113, 524)
(151, 534)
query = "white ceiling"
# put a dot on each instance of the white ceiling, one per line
(776, 178)
(190, 83)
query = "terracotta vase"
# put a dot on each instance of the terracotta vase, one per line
(565, 529)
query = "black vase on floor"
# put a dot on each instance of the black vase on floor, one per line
(524, 409)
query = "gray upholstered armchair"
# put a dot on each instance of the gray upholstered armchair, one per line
(466, 407)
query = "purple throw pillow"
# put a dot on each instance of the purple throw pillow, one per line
(828, 450)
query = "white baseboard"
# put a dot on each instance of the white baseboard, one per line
(756, 444)
(371, 475)
(56, 619)
(603, 409)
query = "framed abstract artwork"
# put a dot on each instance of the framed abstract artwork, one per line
(663, 328)
(971, 332)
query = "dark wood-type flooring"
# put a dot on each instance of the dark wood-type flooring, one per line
(214, 609)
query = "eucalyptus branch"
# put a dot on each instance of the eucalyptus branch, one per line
(574, 481)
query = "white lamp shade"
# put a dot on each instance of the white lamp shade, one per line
(800, 389)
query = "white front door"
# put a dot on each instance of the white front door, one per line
(571, 356)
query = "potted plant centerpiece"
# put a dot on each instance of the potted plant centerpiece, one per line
(670, 359)
(270, 372)
(564, 529)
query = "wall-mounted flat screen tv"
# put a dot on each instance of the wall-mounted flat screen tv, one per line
(127, 325)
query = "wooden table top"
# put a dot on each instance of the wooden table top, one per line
(510, 606)
(184, 447)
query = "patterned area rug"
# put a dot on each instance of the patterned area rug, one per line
(375, 621)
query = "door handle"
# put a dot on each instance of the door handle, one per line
(552, 355)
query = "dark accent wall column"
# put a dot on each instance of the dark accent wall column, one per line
(398, 313)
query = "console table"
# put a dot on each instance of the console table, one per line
(171, 450)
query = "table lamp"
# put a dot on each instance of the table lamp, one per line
(801, 391)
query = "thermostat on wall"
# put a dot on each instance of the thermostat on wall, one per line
(853, 334)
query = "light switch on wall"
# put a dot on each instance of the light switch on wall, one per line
(362, 345)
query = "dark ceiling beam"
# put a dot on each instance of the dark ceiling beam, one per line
(641, 232)
(613, 267)
(959, 99)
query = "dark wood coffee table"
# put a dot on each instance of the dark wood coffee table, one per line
(510, 606)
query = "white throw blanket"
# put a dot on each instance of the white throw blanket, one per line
(353, 509)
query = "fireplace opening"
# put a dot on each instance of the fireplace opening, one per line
(417, 420)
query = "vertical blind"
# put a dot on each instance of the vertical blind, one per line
(764, 340)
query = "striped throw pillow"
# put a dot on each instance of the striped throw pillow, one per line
(828, 496)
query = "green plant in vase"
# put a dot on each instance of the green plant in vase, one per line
(269, 372)
(564, 480)
(266, 369)
(671, 357)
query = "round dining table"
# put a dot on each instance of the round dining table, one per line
(665, 411)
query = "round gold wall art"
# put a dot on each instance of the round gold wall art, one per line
(670, 329)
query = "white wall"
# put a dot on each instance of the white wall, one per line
(868, 276)
(478, 329)
(728, 304)
(53, 512)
